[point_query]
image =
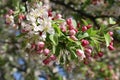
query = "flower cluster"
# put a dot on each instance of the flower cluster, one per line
(50, 35)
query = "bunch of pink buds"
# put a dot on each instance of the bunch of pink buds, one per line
(9, 18)
(110, 47)
(40, 49)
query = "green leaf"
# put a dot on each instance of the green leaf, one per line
(74, 23)
(53, 49)
(54, 39)
(80, 36)
(92, 32)
(72, 53)
(117, 28)
(57, 29)
(103, 29)
(107, 39)
(69, 39)
(58, 21)
(111, 21)
(85, 22)
(95, 42)
(57, 51)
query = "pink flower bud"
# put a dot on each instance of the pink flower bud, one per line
(50, 13)
(21, 17)
(33, 46)
(78, 25)
(110, 33)
(40, 45)
(75, 30)
(7, 21)
(72, 32)
(24, 31)
(58, 16)
(73, 38)
(111, 43)
(69, 21)
(80, 53)
(84, 42)
(88, 52)
(46, 61)
(6, 16)
(63, 27)
(10, 12)
(46, 52)
(95, 56)
(110, 47)
(70, 27)
(84, 28)
(53, 57)
(89, 26)
(100, 54)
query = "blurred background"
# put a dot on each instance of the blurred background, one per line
(15, 64)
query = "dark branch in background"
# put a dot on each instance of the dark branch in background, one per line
(82, 13)
(8, 42)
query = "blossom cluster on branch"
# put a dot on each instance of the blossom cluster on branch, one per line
(48, 34)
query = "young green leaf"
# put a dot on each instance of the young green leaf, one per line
(85, 22)
(54, 39)
(107, 39)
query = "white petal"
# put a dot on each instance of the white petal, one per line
(31, 18)
(43, 35)
(40, 27)
(51, 31)
(40, 21)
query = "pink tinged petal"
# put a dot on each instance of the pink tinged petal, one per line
(88, 52)
(53, 57)
(110, 33)
(80, 53)
(46, 52)
(72, 32)
(11, 12)
(40, 45)
(73, 38)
